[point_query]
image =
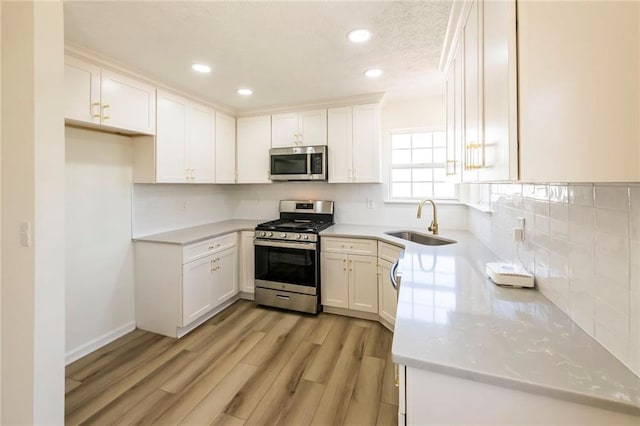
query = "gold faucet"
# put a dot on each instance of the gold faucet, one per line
(434, 223)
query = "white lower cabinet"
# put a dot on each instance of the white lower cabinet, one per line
(349, 280)
(426, 397)
(247, 262)
(178, 287)
(197, 283)
(387, 294)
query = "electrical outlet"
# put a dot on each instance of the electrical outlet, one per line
(25, 234)
(370, 204)
(518, 231)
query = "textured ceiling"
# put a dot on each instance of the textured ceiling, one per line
(287, 52)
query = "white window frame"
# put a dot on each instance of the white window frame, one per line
(454, 198)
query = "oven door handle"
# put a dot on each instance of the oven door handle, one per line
(285, 244)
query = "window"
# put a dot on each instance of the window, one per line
(418, 166)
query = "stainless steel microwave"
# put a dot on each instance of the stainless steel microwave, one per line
(299, 163)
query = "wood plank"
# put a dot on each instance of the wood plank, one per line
(277, 357)
(389, 389)
(387, 415)
(107, 351)
(208, 356)
(363, 408)
(238, 309)
(91, 396)
(277, 401)
(337, 395)
(101, 364)
(181, 404)
(70, 384)
(378, 342)
(303, 404)
(211, 406)
(325, 361)
(272, 341)
(141, 410)
(227, 420)
(129, 399)
(321, 329)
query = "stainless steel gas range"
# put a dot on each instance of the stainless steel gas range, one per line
(287, 256)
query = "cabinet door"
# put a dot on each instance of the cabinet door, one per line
(472, 145)
(578, 91)
(284, 130)
(225, 149)
(81, 91)
(313, 127)
(254, 141)
(458, 114)
(247, 262)
(225, 282)
(387, 295)
(499, 91)
(339, 141)
(366, 143)
(363, 283)
(335, 280)
(127, 104)
(197, 299)
(201, 144)
(171, 140)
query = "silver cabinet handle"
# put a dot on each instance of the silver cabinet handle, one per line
(392, 274)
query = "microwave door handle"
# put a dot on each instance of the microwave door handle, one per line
(309, 171)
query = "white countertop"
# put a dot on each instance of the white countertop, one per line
(452, 319)
(201, 232)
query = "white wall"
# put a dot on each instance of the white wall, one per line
(32, 191)
(158, 208)
(582, 242)
(100, 279)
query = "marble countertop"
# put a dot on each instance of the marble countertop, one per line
(452, 319)
(201, 232)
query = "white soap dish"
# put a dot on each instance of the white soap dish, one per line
(508, 274)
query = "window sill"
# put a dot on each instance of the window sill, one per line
(484, 208)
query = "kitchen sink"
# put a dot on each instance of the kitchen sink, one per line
(424, 239)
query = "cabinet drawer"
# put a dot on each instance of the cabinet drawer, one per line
(206, 247)
(389, 252)
(349, 245)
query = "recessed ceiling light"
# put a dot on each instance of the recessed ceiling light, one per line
(359, 36)
(373, 73)
(201, 68)
(245, 92)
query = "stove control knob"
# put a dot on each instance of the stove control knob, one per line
(262, 234)
(283, 235)
(269, 234)
(298, 236)
(306, 237)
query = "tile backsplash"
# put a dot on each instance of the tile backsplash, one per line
(582, 242)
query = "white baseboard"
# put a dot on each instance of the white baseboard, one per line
(97, 343)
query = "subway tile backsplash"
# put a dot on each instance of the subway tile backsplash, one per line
(582, 242)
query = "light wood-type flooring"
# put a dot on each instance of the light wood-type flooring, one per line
(247, 365)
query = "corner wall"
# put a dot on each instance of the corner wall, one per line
(100, 284)
(32, 193)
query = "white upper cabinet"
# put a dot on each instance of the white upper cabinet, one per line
(102, 98)
(171, 140)
(579, 96)
(472, 87)
(500, 141)
(254, 141)
(299, 128)
(354, 143)
(201, 143)
(82, 91)
(225, 149)
(185, 141)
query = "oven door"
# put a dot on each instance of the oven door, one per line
(287, 265)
